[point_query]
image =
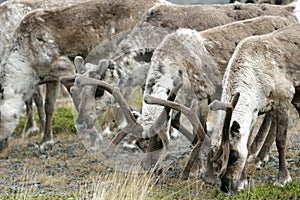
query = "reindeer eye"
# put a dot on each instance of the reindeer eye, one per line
(71, 90)
(99, 92)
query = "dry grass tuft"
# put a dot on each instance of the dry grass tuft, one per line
(121, 185)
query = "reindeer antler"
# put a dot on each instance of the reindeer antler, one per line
(189, 112)
(225, 131)
(177, 83)
(193, 118)
(132, 125)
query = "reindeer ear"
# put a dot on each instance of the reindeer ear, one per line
(235, 127)
(79, 64)
(102, 66)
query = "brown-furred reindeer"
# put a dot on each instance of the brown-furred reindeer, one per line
(135, 52)
(44, 46)
(11, 14)
(264, 71)
(202, 59)
(163, 19)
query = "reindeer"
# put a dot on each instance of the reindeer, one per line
(11, 14)
(44, 46)
(166, 18)
(134, 53)
(202, 61)
(264, 72)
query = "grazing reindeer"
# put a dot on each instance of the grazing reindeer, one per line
(164, 19)
(264, 71)
(204, 67)
(11, 14)
(202, 61)
(44, 46)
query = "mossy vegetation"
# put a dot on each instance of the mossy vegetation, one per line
(63, 121)
(192, 189)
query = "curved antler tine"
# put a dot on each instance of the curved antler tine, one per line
(67, 79)
(103, 65)
(218, 105)
(225, 134)
(189, 112)
(132, 124)
(177, 83)
(193, 118)
(79, 64)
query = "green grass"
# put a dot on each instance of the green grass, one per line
(198, 190)
(63, 121)
(120, 185)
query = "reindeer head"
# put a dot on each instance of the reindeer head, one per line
(9, 114)
(234, 146)
(84, 95)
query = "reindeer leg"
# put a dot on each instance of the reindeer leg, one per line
(158, 141)
(260, 136)
(267, 143)
(111, 147)
(203, 112)
(281, 135)
(197, 126)
(30, 127)
(193, 157)
(51, 94)
(38, 100)
(175, 123)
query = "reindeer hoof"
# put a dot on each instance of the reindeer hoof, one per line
(3, 144)
(46, 146)
(282, 182)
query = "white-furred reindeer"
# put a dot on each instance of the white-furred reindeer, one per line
(43, 48)
(264, 71)
(11, 14)
(201, 57)
(135, 52)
